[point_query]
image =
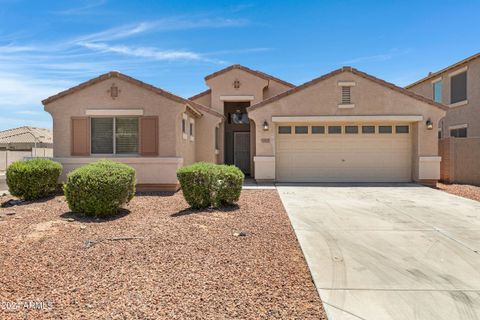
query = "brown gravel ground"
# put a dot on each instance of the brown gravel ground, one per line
(187, 266)
(462, 190)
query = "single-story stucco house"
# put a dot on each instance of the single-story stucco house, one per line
(345, 126)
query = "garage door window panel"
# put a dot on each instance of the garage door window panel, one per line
(334, 129)
(284, 130)
(318, 129)
(368, 129)
(351, 129)
(402, 129)
(301, 129)
(385, 129)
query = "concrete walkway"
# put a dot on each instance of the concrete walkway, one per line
(398, 251)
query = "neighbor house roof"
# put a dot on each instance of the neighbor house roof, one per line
(26, 135)
(453, 66)
(356, 72)
(254, 72)
(116, 74)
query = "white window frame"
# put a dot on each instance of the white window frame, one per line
(114, 137)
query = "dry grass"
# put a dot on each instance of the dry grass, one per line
(179, 264)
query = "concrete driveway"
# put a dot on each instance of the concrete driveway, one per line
(399, 251)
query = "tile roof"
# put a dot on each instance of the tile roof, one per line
(201, 94)
(254, 72)
(437, 73)
(356, 72)
(26, 135)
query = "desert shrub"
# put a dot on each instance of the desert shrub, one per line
(100, 188)
(230, 182)
(33, 179)
(210, 185)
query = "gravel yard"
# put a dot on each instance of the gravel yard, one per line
(463, 190)
(157, 260)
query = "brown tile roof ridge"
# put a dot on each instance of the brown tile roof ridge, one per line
(116, 74)
(201, 94)
(254, 72)
(450, 67)
(356, 72)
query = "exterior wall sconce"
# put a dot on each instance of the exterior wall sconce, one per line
(429, 124)
(265, 125)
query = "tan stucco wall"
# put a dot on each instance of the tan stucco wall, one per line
(130, 97)
(205, 139)
(274, 88)
(205, 100)
(369, 98)
(461, 163)
(467, 114)
(186, 146)
(222, 85)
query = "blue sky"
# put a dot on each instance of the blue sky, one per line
(49, 46)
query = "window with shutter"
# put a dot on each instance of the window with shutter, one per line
(114, 135)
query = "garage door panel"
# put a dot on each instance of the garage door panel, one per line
(344, 158)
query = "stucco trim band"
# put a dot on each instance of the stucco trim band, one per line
(366, 118)
(114, 112)
(237, 98)
(85, 160)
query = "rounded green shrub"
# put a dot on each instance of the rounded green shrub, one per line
(100, 188)
(33, 179)
(209, 185)
(230, 182)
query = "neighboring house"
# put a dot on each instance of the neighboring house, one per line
(345, 126)
(458, 87)
(18, 143)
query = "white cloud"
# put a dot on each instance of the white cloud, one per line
(167, 24)
(85, 9)
(20, 91)
(378, 57)
(28, 112)
(147, 52)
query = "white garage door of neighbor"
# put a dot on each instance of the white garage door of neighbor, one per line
(343, 157)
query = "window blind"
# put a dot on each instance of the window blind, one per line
(126, 135)
(102, 135)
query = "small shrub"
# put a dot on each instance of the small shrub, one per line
(33, 179)
(100, 188)
(230, 182)
(209, 185)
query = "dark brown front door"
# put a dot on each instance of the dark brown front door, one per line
(237, 135)
(241, 151)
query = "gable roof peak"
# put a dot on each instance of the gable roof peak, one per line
(355, 72)
(246, 69)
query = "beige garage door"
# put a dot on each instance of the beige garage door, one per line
(344, 153)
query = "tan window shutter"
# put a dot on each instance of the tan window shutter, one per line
(149, 136)
(80, 136)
